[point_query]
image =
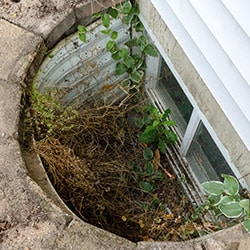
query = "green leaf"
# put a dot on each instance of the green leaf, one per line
(139, 27)
(110, 45)
(245, 203)
(136, 10)
(138, 61)
(138, 122)
(150, 50)
(214, 199)
(162, 146)
(171, 136)
(105, 20)
(147, 137)
(149, 167)
(231, 209)
(166, 114)
(116, 56)
(137, 76)
(126, 7)
(148, 153)
(142, 42)
(246, 225)
(126, 83)
(114, 35)
(213, 187)
(96, 15)
(127, 19)
(169, 123)
(131, 43)
(227, 199)
(120, 68)
(113, 12)
(123, 52)
(146, 187)
(129, 61)
(82, 37)
(154, 203)
(81, 28)
(106, 32)
(82, 33)
(231, 184)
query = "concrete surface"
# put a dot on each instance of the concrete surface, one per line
(29, 218)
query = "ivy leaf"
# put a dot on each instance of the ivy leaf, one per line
(106, 20)
(231, 184)
(213, 187)
(106, 32)
(231, 209)
(149, 167)
(96, 15)
(146, 187)
(136, 76)
(150, 50)
(131, 43)
(142, 42)
(138, 61)
(129, 61)
(123, 52)
(81, 28)
(127, 19)
(113, 12)
(126, 7)
(110, 45)
(120, 68)
(148, 153)
(114, 35)
(82, 37)
(139, 26)
(82, 33)
(116, 56)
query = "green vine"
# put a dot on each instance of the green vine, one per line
(127, 60)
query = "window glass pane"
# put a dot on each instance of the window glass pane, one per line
(174, 98)
(204, 157)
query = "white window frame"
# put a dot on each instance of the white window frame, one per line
(152, 75)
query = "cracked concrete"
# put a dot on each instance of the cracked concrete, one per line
(30, 218)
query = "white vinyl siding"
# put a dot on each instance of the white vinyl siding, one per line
(214, 35)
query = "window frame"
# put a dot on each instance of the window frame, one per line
(152, 76)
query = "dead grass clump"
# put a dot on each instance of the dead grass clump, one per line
(94, 168)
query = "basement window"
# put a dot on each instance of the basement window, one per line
(198, 144)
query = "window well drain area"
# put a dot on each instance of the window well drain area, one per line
(88, 142)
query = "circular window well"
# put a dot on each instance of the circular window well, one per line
(84, 131)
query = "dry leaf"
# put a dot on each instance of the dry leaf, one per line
(124, 218)
(140, 222)
(157, 155)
